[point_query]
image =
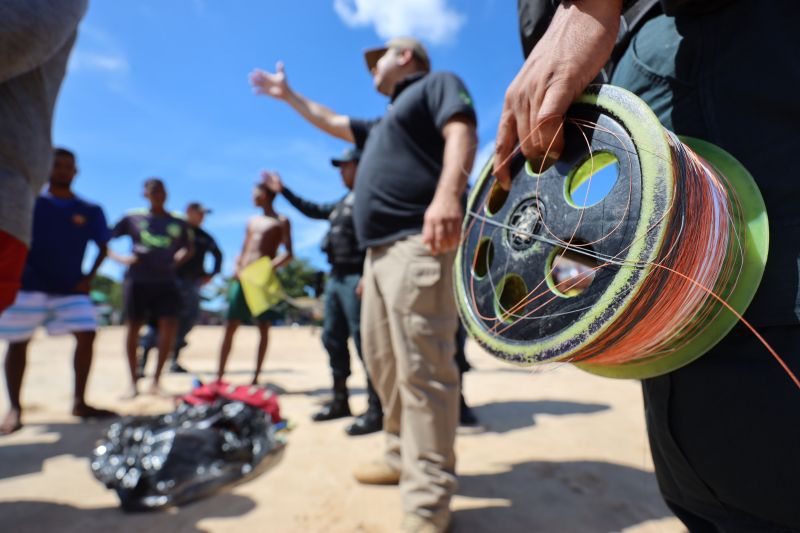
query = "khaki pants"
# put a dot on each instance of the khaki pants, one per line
(408, 326)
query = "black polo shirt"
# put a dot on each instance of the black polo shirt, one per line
(402, 156)
(194, 268)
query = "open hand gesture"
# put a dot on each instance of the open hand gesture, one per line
(270, 84)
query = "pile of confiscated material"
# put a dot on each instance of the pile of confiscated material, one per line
(218, 436)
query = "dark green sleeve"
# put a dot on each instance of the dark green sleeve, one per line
(310, 209)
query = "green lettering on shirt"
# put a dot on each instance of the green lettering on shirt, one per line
(155, 241)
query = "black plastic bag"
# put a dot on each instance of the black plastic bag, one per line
(158, 461)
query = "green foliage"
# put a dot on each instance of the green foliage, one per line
(298, 278)
(110, 289)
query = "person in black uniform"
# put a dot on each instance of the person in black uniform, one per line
(723, 429)
(342, 293)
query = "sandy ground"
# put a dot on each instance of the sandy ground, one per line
(560, 451)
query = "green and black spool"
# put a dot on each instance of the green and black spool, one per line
(510, 239)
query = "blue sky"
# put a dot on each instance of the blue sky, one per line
(159, 88)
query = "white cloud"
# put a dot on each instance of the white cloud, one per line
(430, 20)
(98, 61)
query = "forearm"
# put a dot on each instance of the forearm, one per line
(309, 209)
(217, 263)
(320, 116)
(459, 155)
(282, 260)
(101, 255)
(183, 255)
(121, 259)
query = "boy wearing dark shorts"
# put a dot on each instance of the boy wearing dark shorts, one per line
(161, 243)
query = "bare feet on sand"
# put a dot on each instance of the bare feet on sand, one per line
(85, 411)
(156, 390)
(12, 422)
(132, 393)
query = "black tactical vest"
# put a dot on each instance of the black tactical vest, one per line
(340, 243)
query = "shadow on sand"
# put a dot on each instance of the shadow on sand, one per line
(569, 496)
(502, 417)
(36, 517)
(77, 440)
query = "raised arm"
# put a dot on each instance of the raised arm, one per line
(319, 211)
(442, 223)
(276, 85)
(569, 56)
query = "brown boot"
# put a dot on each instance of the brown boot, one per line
(377, 473)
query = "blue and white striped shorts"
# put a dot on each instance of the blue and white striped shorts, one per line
(58, 314)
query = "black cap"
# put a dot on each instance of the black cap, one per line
(351, 153)
(197, 206)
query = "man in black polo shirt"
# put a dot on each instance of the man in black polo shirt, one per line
(342, 292)
(408, 212)
(190, 277)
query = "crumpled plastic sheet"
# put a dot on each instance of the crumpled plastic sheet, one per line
(158, 461)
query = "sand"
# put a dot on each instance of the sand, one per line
(560, 450)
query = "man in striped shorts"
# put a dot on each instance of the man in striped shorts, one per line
(55, 290)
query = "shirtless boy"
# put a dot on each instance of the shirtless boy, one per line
(265, 233)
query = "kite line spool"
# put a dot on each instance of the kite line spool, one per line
(683, 226)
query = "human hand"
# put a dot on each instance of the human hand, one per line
(272, 180)
(569, 56)
(83, 286)
(441, 227)
(271, 84)
(360, 288)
